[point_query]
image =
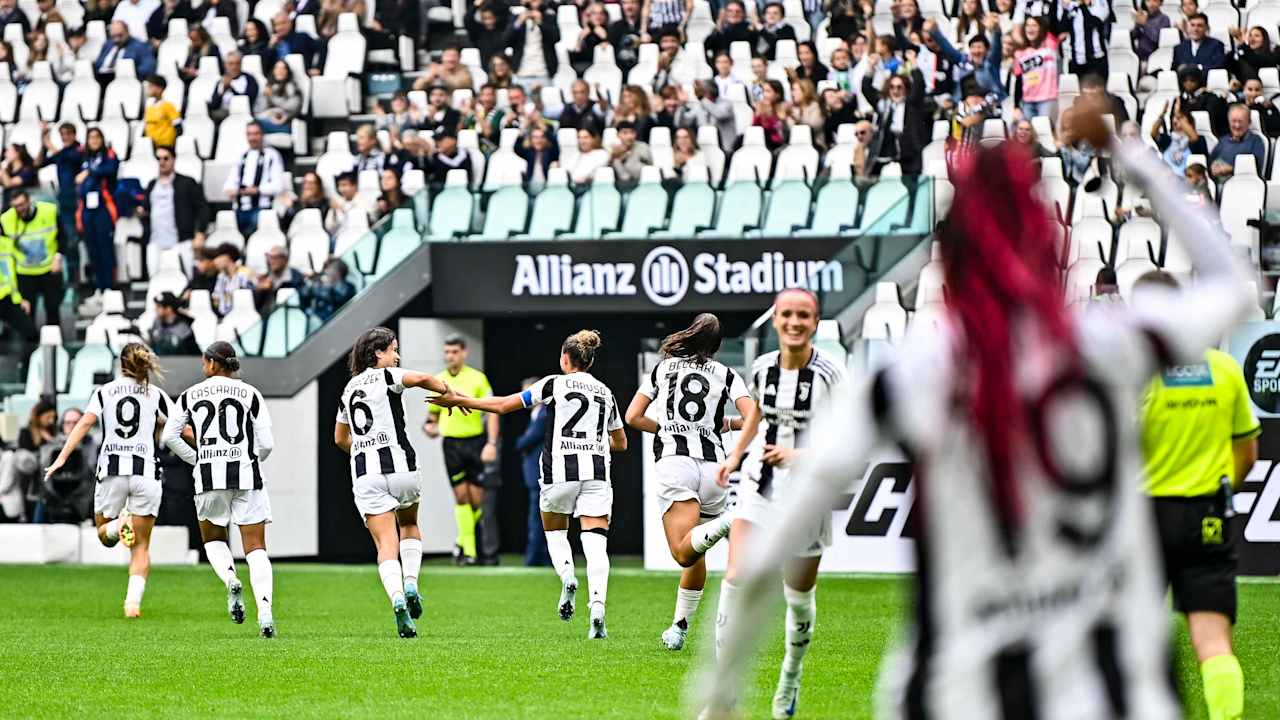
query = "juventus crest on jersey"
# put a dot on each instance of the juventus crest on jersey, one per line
(372, 406)
(231, 427)
(787, 399)
(690, 397)
(130, 413)
(581, 412)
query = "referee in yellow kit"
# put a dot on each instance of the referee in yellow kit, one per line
(470, 444)
(1200, 436)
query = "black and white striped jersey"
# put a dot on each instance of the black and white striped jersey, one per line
(372, 405)
(787, 399)
(232, 430)
(690, 398)
(130, 413)
(581, 412)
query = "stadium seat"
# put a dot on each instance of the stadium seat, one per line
(40, 97)
(453, 209)
(598, 209)
(1243, 198)
(552, 208)
(336, 92)
(660, 148)
(799, 159)
(49, 335)
(284, 328)
(336, 159)
(932, 278)
(267, 236)
(835, 209)
(187, 158)
(604, 72)
(1091, 237)
(788, 210)
(752, 161)
(692, 208)
(646, 206)
(739, 211)
(112, 319)
(1135, 263)
(712, 153)
(307, 220)
(168, 276)
(123, 96)
(173, 51)
(507, 212)
(82, 97)
(240, 325)
(505, 167)
(225, 230)
(309, 250)
(885, 319)
(93, 360)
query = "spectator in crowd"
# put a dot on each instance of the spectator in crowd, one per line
(540, 152)
(633, 107)
(1198, 48)
(37, 252)
(1188, 8)
(1178, 140)
(532, 39)
(392, 19)
(671, 62)
(1086, 22)
(806, 109)
(674, 113)
(624, 35)
(629, 155)
(594, 32)
(449, 73)
(1198, 180)
(659, 16)
(440, 116)
(487, 35)
(279, 275)
(286, 41)
(1253, 52)
(400, 116)
(173, 209)
(202, 46)
(810, 67)
(500, 75)
(99, 10)
(38, 50)
(47, 14)
(1024, 134)
(96, 186)
(1148, 21)
(723, 75)
(1093, 90)
(41, 430)
(171, 332)
(211, 9)
(135, 14)
(74, 49)
(905, 128)
(369, 155)
(158, 22)
(392, 197)
(591, 157)
(123, 47)
(328, 291)
(204, 274)
(311, 195)
(10, 14)
(839, 112)
(234, 82)
(232, 276)
(256, 41)
(445, 155)
(1239, 141)
(1195, 96)
(483, 118)
(580, 113)
(283, 99)
(344, 209)
(982, 62)
(18, 171)
(1077, 154)
(969, 18)
(327, 19)
(1036, 66)
(256, 180)
(66, 161)
(1255, 99)
(773, 29)
(712, 108)
(770, 114)
(685, 153)
(161, 118)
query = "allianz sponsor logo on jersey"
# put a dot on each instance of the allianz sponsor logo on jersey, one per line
(379, 440)
(666, 275)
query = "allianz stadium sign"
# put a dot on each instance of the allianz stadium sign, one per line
(629, 276)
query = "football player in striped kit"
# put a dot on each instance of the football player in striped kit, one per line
(127, 496)
(384, 467)
(788, 385)
(1039, 590)
(232, 431)
(583, 428)
(691, 392)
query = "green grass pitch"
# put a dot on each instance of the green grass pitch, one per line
(490, 646)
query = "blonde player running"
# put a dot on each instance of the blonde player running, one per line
(583, 427)
(127, 497)
(384, 467)
(691, 391)
(232, 431)
(1038, 584)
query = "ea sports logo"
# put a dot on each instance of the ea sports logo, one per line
(1262, 373)
(665, 276)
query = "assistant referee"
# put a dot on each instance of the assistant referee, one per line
(470, 443)
(1198, 428)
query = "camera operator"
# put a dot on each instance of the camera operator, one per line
(67, 495)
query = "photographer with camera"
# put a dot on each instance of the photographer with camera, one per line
(66, 496)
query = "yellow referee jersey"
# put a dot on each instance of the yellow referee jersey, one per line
(472, 383)
(1190, 416)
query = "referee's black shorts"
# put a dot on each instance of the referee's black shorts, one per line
(462, 459)
(1199, 553)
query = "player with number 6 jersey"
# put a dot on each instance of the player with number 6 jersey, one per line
(127, 496)
(232, 433)
(384, 468)
(583, 428)
(690, 391)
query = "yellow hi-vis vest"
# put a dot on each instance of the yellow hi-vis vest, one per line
(8, 278)
(35, 242)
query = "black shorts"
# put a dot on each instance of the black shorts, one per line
(1199, 553)
(462, 459)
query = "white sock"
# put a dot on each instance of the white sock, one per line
(561, 554)
(219, 554)
(411, 559)
(686, 605)
(724, 611)
(262, 582)
(802, 608)
(595, 545)
(705, 536)
(392, 580)
(137, 586)
(113, 530)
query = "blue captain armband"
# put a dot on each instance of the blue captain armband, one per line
(526, 399)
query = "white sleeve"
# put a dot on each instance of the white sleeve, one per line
(342, 418)
(262, 438)
(95, 403)
(272, 183)
(649, 383)
(164, 403)
(172, 435)
(737, 387)
(615, 419)
(397, 379)
(233, 178)
(533, 395)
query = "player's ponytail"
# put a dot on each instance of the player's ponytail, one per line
(364, 353)
(224, 356)
(581, 348)
(139, 363)
(700, 341)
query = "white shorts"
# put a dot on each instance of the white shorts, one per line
(684, 478)
(117, 492)
(589, 498)
(233, 507)
(760, 511)
(377, 494)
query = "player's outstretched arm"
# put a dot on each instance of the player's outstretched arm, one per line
(81, 429)
(500, 405)
(636, 417)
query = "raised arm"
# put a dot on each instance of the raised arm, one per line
(493, 404)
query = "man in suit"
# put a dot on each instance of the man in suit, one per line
(173, 209)
(286, 41)
(530, 445)
(123, 46)
(1200, 49)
